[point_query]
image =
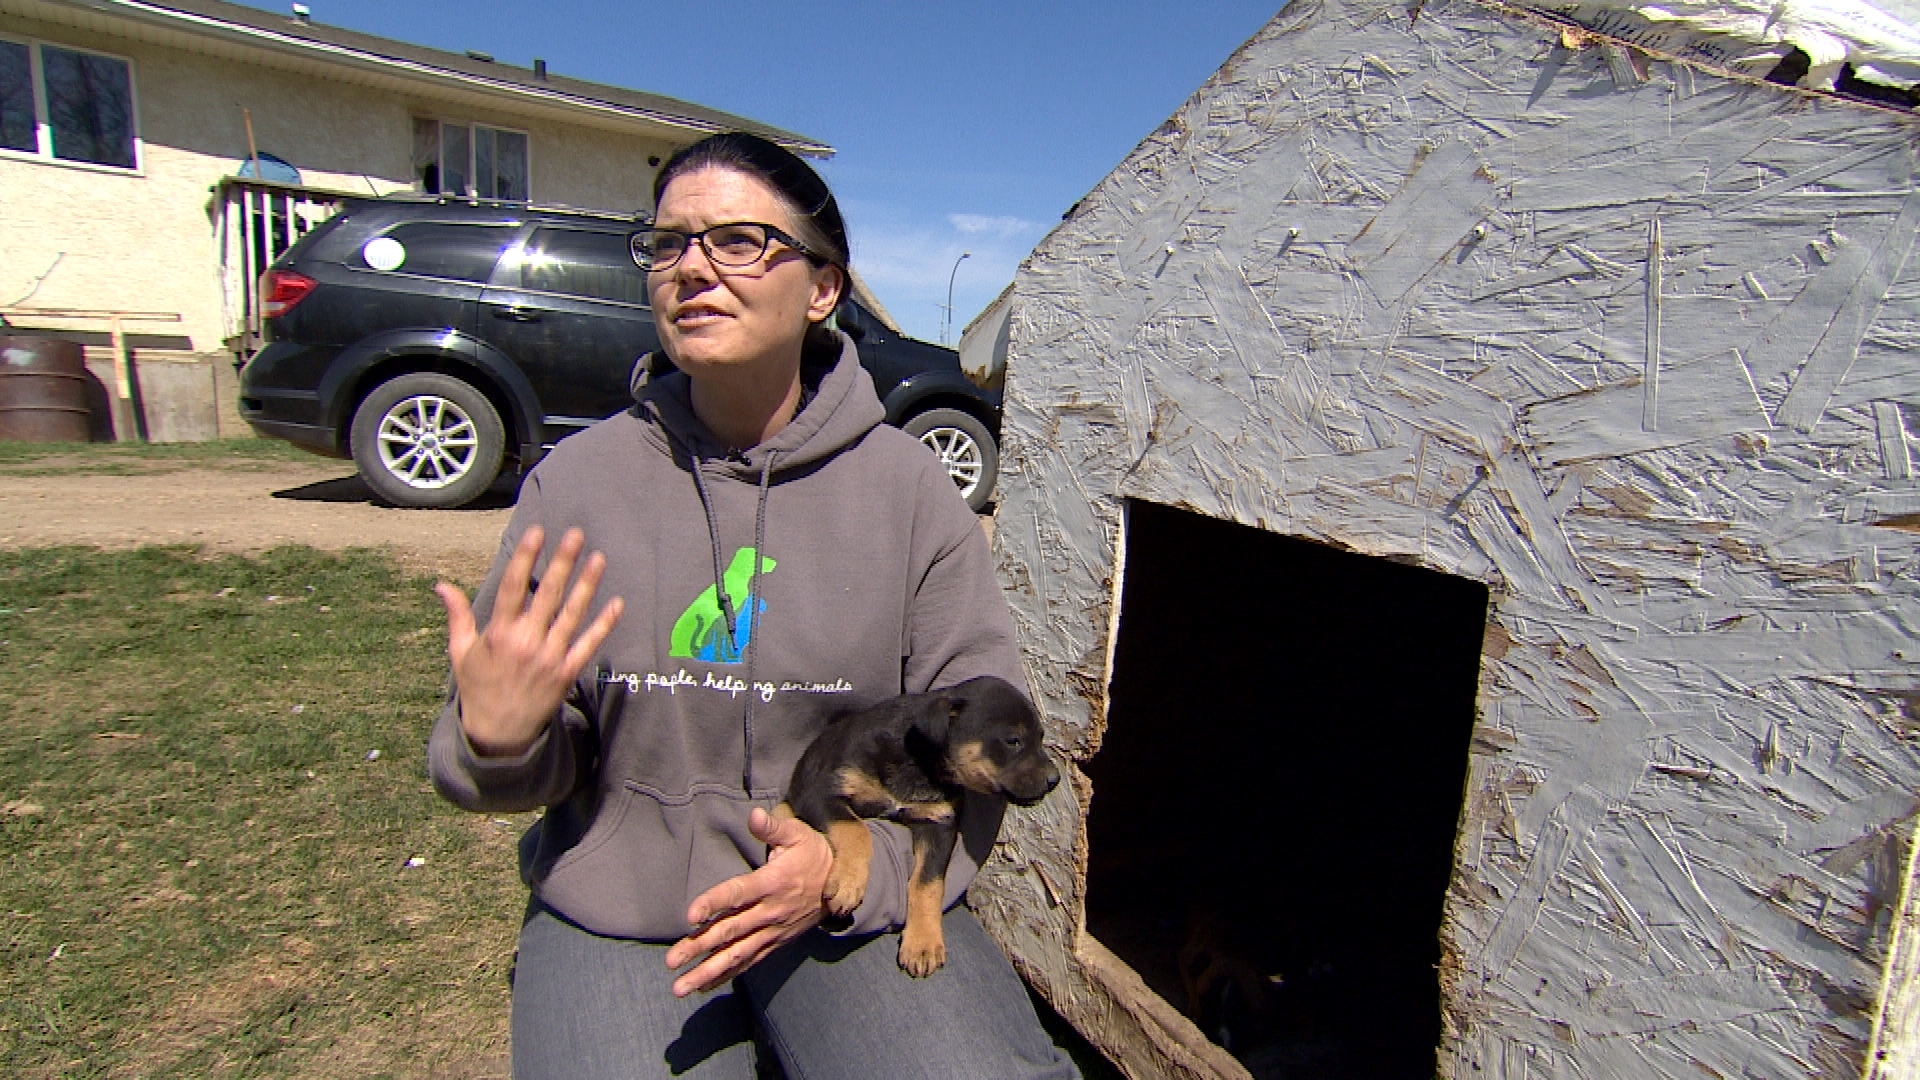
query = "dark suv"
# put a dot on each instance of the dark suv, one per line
(434, 341)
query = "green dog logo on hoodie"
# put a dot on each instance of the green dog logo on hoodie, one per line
(701, 631)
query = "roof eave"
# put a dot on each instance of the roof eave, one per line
(420, 71)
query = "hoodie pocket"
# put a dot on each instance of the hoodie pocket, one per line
(613, 811)
(642, 861)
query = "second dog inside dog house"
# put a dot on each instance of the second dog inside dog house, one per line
(1596, 363)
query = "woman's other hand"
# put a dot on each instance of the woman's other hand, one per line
(739, 921)
(514, 674)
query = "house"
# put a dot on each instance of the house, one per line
(156, 154)
(1460, 516)
(983, 343)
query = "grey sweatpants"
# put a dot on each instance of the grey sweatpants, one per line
(592, 1008)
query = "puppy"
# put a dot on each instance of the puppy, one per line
(912, 760)
(1229, 996)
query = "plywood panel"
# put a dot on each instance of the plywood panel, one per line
(1632, 352)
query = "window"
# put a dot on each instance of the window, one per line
(574, 262)
(460, 252)
(67, 105)
(469, 159)
(17, 128)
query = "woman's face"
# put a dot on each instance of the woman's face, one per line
(717, 318)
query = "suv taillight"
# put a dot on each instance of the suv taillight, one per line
(280, 290)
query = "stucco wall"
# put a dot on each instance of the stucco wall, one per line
(577, 166)
(148, 241)
(1624, 340)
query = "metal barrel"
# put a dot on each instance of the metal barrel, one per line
(43, 390)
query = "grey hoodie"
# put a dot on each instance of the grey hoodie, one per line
(873, 579)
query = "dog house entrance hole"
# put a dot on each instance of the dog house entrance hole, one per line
(1277, 792)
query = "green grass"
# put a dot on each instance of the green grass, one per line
(202, 874)
(41, 458)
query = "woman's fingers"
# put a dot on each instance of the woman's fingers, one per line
(511, 598)
(725, 963)
(589, 642)
(539, 627)
(736, 943)
(711, 938)
(723, 915)
(724, 900)
(460, 626)
(580, 597)
(514, 672)
(554, 583)
(740, 920)
(779, 834)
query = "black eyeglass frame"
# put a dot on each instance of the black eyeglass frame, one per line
(772, 233)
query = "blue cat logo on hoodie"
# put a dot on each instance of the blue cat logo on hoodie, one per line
(701, 631)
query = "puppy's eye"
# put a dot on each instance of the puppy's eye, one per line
(1012, 742)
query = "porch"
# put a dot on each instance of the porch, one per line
(256, 221)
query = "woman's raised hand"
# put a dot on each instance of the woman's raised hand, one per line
(514, 674)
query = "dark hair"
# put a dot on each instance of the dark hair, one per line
(816, 215)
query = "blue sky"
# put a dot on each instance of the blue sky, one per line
(959, 127)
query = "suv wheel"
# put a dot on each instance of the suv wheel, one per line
(427, 440)
(965, 449)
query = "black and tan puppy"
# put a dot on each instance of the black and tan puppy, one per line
(913, 759)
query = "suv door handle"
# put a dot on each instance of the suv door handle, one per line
(516, 314)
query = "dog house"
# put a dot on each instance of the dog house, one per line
(1460, 514)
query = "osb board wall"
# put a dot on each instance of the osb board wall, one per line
(1624, 340)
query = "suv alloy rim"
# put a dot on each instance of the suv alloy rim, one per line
(959, 453)
(427, 441)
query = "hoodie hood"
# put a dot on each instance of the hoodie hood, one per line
(840, 412)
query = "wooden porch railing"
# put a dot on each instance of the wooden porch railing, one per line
(258, 221)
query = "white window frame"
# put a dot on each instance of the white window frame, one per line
(43, 121)
(472, 143)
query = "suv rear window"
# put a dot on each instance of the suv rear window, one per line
(575, 262)
(432, 249)
(308, 241)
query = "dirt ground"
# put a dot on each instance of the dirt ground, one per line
(249, 509)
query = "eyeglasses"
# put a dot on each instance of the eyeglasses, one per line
(736, 243)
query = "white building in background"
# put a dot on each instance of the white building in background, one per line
(155, 154)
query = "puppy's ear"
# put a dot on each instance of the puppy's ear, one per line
(934, 716)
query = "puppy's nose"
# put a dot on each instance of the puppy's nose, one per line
(1053, 777)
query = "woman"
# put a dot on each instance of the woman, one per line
(775, 555)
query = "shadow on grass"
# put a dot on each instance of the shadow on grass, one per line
(352, 489)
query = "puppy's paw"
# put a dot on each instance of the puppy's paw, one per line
(846, 887)
(925, 813)
(922, 952)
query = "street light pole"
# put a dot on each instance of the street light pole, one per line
(947, 322)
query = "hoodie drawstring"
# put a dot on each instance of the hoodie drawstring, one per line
(753, 610)
(713, 534)
(734, 647)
